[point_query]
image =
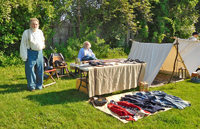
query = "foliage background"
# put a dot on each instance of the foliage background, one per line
(148, 20)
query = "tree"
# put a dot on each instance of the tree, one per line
(16, 15)
(170, 18)
(110, 18)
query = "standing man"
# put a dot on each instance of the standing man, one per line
(32, 43)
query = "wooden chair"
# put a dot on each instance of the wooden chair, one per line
(144, 86)
(59, 57)
(50, 73)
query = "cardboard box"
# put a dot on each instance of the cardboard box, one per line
(83, 89)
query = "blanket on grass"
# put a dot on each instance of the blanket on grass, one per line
(117, 98)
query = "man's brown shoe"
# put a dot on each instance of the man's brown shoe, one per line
(33, 90)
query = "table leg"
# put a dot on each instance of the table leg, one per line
(80, 82)
(87, 83)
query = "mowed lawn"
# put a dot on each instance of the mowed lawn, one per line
(62, 106)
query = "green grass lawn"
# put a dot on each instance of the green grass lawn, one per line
(62, 106)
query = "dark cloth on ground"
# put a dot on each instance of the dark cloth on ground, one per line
(164, 99)
(144, 103)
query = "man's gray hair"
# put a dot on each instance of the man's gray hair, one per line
(85, 43)
(34, 19)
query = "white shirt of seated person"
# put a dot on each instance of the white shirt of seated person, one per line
(86, 52)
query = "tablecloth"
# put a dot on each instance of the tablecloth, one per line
(108, 79)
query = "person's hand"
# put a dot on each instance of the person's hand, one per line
(44, 46)
(174, 38)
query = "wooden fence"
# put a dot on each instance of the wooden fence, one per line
(66, 30)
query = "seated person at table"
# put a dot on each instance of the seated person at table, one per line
(86, 53)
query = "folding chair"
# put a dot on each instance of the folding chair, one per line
(49, 71)
(59, 57)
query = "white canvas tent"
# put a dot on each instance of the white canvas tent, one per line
(161, 57)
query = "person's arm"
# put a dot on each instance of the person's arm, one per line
(91, 52)
(43, 39)
(81, 54)
(174, 38)
(23, 47)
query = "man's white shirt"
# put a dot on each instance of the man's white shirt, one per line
(36, 42)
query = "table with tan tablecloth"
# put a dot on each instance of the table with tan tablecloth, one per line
(108, 79)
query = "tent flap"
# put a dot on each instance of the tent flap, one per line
(160, 57)
(153, 54)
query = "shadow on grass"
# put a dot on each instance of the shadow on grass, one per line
(120, 92)
(71, 77)
(189, 80)
(65, 96)
(65, 77)
(21, 78)
(13, 88)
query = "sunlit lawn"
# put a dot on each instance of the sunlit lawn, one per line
(62, 106)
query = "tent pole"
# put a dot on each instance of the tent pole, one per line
(184, 65)
(174, 61)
